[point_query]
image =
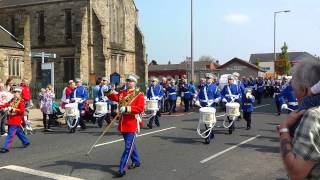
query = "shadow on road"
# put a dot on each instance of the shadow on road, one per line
(82, 165)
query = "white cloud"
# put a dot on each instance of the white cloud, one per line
(237, 19)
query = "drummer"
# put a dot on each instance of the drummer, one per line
(209, 96)
(155, 92)
(231, 93)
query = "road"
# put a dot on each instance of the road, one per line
(172, 151)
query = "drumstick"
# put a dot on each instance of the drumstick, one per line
(103, 133)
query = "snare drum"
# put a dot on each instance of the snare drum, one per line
(207, 115)
(233, 109)
(71, 109)
(102, 108)
(152, 105)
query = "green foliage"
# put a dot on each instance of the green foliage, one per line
(285, 57)
(257, 62)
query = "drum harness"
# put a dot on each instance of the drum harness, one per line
(233, 98)
(210, 127)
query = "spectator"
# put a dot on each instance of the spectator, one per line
(300, 154)
(26, 94)
(66, 92)
(46, 102)
(9, 84)
(5, 97)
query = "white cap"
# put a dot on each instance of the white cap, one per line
(230, 77)
(209, 75)
(132, 77)
(105, 79)
(77, 80)
(236, 74)
(246, 90)
(154, 79)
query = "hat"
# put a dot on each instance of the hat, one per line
(236, 74)
(132, 77)
(17, 89)
(77, 80)
(105, 79)
(246, 90)
(230, 77)
(209, 75)
(154, 79)
(173, 81)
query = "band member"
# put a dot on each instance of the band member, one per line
(231, 93)
(252, 85)
(16, 108)
(260, 89)
(277, 90)
(164, 101)
(131, 103)
(172, 96)
(187, 93)
(209, 96)
(155, 92)
(287, 93)
(80, 95)
(247, 106)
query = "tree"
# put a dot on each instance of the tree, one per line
(285, 58)
(257, 62)
(153, 62)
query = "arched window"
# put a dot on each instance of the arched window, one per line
(116, 19)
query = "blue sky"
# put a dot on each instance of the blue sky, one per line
(227, 28)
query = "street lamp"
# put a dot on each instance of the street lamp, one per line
(274, 38)
(192, 64)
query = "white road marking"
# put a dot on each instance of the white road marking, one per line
(140, 135)
(39, 173)
(228, 149)
(261, 106)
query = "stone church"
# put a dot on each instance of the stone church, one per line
(92, 38)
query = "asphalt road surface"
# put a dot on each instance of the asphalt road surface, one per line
(171, 151)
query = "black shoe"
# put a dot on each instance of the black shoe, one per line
(158, 125)
(149, 126)
(26, 145)
(48, 130)
(3, 150)
(230, 130)
(120, 174)
(248, 128)
(132, 166)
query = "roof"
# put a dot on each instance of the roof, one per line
(8, 40)
(16, 3)
(167, 67)
(246, 63)
(293, 56)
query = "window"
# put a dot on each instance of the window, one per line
(14, 66)
(116, 18)
(113, 63)
(266, 68)
(13, 25)
(68, 24)
(68, 69)
(41, 33)
(121, 64)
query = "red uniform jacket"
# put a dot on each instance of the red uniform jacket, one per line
(16, 118)
(128, 121)
(25, 94)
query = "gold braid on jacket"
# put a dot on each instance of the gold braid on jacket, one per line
(15, 103)
(125, 100)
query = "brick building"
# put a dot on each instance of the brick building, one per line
(92, 38)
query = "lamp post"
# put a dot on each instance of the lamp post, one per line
(192, 64)
(274, 36)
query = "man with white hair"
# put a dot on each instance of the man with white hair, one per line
(300, 153)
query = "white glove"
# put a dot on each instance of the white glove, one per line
(155, 98)
(284, 106)
(9, 108)
(80, 101)
(73, 99)
(217, 100)
(237, 96)
(224, 100)
(67, 101)
(198, 103)
(274, 95)
(96, 99)
(122, 109)
(104, 98)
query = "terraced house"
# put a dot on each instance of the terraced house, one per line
(92, 38)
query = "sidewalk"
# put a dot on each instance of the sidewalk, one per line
(35, 116)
